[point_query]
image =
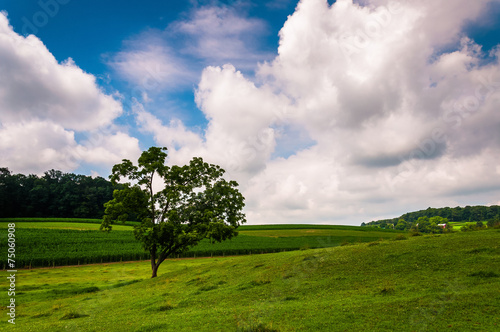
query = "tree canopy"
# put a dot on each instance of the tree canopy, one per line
(195, 203)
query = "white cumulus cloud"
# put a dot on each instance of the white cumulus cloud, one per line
(45, 103)
(399, 108)
(34, 85)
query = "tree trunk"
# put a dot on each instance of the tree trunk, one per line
(155, 270)
(155, 263)
(154, 267)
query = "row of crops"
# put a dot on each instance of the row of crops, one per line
(46, 247)
(69, 220)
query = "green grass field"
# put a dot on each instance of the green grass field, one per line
(448, 282)
(457, 225)
(57, 242)
(264, 232)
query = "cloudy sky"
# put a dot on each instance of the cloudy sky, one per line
(325, 112)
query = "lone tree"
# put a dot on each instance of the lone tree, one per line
(195, 203)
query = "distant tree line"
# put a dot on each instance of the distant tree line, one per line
(468, 213)
(53, 195)
(478, 214)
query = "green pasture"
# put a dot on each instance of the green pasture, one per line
(276, 233)
(57, 242)
(457, 225)
(308, 227)
(447, 282)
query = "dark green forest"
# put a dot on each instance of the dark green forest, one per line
(53, 195)
(477, 213)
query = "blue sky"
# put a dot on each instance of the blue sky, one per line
(324, 112)
(93, 32)
(68, 29)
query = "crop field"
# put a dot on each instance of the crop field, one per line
(65, 225)
(446, 282)
(457, 225)
(41, 221)
(57, 242)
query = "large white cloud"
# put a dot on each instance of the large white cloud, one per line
(242, 130)
(37, 145)
(396, 120)
(44, 104)
(34, 85)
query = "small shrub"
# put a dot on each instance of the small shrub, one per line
(400, 237)
(415, 233)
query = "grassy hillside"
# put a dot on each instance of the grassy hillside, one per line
(56, 242)
(429, 283)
